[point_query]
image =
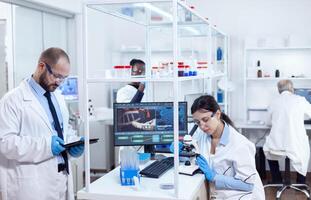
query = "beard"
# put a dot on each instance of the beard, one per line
(44, 83)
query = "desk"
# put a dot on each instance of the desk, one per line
(108, 188)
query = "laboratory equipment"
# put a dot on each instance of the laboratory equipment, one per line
(157, 168)
(191, 149)
(129, 168)
(69, 88)
(147, 123)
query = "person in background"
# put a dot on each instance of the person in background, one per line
(133, 92)
(33, 127)
(288, 135)
(226, 158)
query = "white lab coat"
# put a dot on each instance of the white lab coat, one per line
(126, 94)
(28, 168)
(236, 159)
(288, 135)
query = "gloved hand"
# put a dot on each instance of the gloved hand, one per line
(180, 145)
(77, 151)
(56, 145)
(206, 169)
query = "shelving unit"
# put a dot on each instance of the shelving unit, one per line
(292, 62)
(196, 37)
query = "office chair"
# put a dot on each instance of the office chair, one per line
(288, 185)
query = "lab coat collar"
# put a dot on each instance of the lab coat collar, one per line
(29, 96)
(286, 92)
(37, 88)
(225, 135)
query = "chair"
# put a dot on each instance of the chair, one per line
(287, 183)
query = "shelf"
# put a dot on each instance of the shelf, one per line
(277, 48)
(152, 79)
(155, 51)
(274, 79)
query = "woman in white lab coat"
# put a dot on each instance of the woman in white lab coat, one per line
(227, 158)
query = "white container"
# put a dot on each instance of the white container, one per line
(118, 71)
(127, 71)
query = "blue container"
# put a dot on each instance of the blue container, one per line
(127, 176)
(220, 96)
(219, 54)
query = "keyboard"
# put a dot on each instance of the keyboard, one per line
(157, 168)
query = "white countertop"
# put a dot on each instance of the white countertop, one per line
(244, 125)
(108, 187)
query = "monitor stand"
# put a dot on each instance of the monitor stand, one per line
(149, 149)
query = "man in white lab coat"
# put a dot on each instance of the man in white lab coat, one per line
(33, 126)
(288, 135)
(133, 92)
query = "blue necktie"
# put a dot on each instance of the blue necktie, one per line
(58, 130)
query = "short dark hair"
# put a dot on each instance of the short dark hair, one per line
(52, 55)
(136, 61)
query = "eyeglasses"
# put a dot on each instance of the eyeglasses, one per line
(61, 78)
(204, 120)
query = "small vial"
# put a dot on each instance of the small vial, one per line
(259, 73)
(118, 71)
(181, 70)
(155, 71)
(187, 70)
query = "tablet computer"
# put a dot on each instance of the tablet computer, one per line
(79, 142)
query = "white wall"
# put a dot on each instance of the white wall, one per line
(257, 18)
(74, 6)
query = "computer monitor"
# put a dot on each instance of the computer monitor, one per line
(69, 88)
(305, 92)
(147, 123)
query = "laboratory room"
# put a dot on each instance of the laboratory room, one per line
(155, 100)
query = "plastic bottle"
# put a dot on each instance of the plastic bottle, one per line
(181, 70)
(118, 71)
(219, 54)
(220, 96)
(259, 73)
(187, 70)
(277, 73)
(155, 71)
(127, 71)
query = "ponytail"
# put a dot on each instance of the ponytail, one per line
(226, 119)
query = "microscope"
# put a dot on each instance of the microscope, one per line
(190, 149)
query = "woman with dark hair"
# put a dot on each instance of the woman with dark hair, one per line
(226, 158)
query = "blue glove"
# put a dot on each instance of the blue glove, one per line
(56, 145)
(77, 151)
(180, 145)
(206, 169)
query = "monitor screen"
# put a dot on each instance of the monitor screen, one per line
(69, 88)
(147, 123)
(305, 92)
